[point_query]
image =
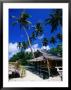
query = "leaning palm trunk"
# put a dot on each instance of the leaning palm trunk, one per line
(48, 68)
(31, 47)
(29, 43)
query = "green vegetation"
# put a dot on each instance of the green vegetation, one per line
(57, 50)
(23, 57)
(55, 19)
(22, 45)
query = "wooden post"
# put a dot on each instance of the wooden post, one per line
(48, 67)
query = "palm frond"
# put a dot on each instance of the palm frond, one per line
(14, 17)
(55, 19)
(53, 40)
(14, 23)
(25, 16)
(38, 29)
(45, 42)
(59, 36)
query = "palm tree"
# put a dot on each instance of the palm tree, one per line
(19, 45)
(24, 45)
(55, 19)
(53, 40)
(45, 42)
(33, 36)
(59, 36)
(38, 29)
(24, 23)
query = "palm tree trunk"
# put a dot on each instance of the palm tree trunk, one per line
(29, 43)
(48, 68)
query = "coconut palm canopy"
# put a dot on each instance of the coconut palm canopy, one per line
(37, 33)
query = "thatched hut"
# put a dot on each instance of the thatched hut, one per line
(46, 62)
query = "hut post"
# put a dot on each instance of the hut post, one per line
(48, 67)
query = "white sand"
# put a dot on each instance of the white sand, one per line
(33, 77)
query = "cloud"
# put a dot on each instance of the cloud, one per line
(13, 49)
(41, 37)
(45, 47)
(34, 48)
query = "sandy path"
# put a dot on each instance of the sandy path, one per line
(33, 77)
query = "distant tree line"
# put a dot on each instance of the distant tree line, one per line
(56, 51)
(23, 57)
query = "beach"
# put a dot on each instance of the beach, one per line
(33, 77)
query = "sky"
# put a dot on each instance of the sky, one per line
(18, 35)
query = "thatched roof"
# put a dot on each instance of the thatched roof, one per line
(48, 57)
(37, 59)
(52, 57)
